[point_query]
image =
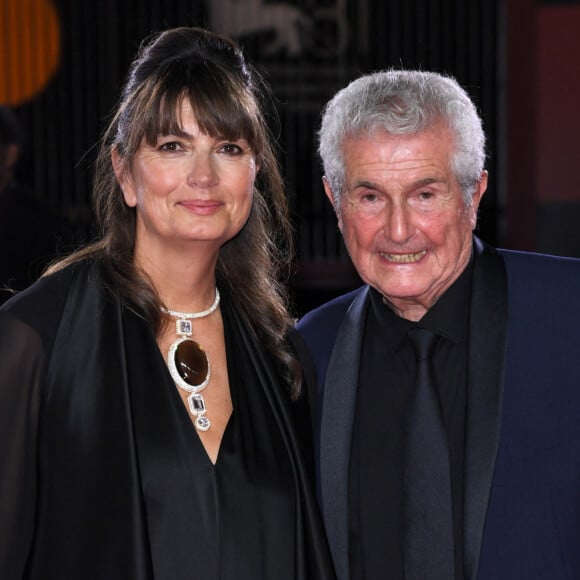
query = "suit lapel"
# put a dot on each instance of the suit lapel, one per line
(486, 366)
(339, 402)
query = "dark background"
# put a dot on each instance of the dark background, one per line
(517, 58)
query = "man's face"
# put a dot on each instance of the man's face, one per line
(403, 216)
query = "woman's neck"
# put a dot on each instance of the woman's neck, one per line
(183, 283)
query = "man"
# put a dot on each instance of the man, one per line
(403, 155)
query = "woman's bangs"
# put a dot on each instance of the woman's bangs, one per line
(223, 113)
(221, 108)
(163, 116)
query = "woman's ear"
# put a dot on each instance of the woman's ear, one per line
(123, 176)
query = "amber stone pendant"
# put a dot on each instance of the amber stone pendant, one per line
(188, 365)
(191, 362)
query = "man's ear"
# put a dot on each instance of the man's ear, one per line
(124, 177)
(476, 198)
(330, 196)
(328, 191)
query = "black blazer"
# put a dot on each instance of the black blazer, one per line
(522, 447)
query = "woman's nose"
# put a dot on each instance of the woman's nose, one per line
(201, 171)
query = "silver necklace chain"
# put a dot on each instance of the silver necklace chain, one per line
(194, 315)
(183, 328)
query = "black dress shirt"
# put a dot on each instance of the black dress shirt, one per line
(385, 389)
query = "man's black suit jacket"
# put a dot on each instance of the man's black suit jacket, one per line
(522, 458)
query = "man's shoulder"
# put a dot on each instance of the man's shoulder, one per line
(330, 312)
(541, 287)
(320, 326)
(544, 268)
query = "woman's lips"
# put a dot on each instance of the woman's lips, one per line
(200, 206)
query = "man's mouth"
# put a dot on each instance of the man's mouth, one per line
(403, 258)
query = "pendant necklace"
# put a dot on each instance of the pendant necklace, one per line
(188, 364)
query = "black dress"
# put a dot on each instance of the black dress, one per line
(103, 474)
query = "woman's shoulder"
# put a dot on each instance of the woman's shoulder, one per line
(41, 304)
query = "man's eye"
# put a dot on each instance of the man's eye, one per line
(369, 197)
(426, 195)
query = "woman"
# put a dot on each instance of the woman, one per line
(147, 387)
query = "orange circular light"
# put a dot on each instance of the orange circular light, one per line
(29, 48)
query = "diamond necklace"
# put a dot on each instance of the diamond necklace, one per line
(188, 363)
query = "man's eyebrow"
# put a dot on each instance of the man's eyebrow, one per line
(365, 183)
(415, 184)
(427, 181)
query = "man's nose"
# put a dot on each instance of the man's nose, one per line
(398, 219)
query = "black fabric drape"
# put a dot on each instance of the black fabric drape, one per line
(73, 461)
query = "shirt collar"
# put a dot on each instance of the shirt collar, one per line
(447, 317)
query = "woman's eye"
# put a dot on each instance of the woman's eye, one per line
(170, 146)
(231, 149)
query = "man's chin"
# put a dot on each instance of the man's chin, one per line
(405, 292)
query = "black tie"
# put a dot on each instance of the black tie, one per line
(428, 522)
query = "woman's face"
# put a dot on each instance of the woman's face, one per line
(189, 188)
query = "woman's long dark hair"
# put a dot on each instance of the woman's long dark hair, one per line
(227, 96)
